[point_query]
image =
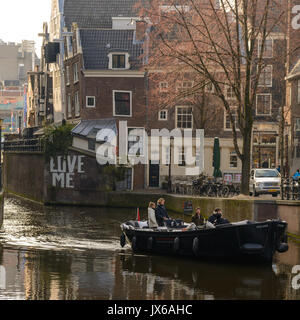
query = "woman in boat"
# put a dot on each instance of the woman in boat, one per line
(161, 214)
(216, 217)
(151, 216)
(198, 218)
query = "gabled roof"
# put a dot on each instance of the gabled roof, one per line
(97, 13)
(97, 44)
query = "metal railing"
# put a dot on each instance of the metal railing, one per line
(24, 145)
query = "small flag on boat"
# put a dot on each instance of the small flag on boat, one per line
(138, 218)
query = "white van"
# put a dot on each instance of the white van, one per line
(264, 181)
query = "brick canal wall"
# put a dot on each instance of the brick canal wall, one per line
(23, 174)
(76, 179)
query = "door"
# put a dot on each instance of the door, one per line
(154, 175)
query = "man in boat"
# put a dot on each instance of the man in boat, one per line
(161, 214)
(216, 217)
(198, 218)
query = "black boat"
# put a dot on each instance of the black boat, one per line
(244, 241)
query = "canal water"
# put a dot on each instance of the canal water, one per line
(74, 253)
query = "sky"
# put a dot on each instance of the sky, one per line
(23, 20)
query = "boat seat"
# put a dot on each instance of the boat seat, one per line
(240, 223)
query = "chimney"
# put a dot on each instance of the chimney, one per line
(141, 27)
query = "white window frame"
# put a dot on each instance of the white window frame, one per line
(90, 97)
(114, 104)
(226, 91)
(265, 114)
(266, 85)
(67, 75)
(297, 124)
(110, 60)
(159, 115)
(162, 88)
(77, 104)
(75, 72)
(234, 154)
(69, 106)
(212, 88)
(176, 117)
(232, 108)
(259, 48)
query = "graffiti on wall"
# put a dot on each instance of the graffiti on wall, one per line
(63, 169)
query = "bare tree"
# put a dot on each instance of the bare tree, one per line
(221, 43)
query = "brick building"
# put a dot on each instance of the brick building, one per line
(104, 81)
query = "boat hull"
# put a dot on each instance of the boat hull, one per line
(252, 241)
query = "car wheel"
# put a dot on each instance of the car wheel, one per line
(254, 192)
(274, 195)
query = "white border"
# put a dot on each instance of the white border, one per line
(114, 106)
(265, 85)
(263, 114)
(86, 101)
(176, 113)
(159, 118)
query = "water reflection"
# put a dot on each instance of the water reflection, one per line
(74, 253)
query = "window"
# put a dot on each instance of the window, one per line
(92, 144)
(163, 86)
(184, 117)
(122, 103)
(90, 102)
(163, 115)
(297, 124)
(118, 61)
(298, 91)
(184, 85)
(268, 48)
(233, 159)
(67, 75)
(228, 124)
(69, 106)
(181, 160)
(265, 79)
(229, 92)
(135, 141)
(209, 88)
(263, 104)
(75, 72)
(77, 104)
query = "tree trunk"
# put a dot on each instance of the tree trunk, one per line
(246, 161)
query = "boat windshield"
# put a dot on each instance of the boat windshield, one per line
(267, 173)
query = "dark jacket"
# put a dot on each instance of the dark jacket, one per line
(216, 218)
(198, 220)
(160, 214)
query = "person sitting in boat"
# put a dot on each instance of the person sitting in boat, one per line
(198, 219)
(216, 218)
(161, 214)
(151, 216)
